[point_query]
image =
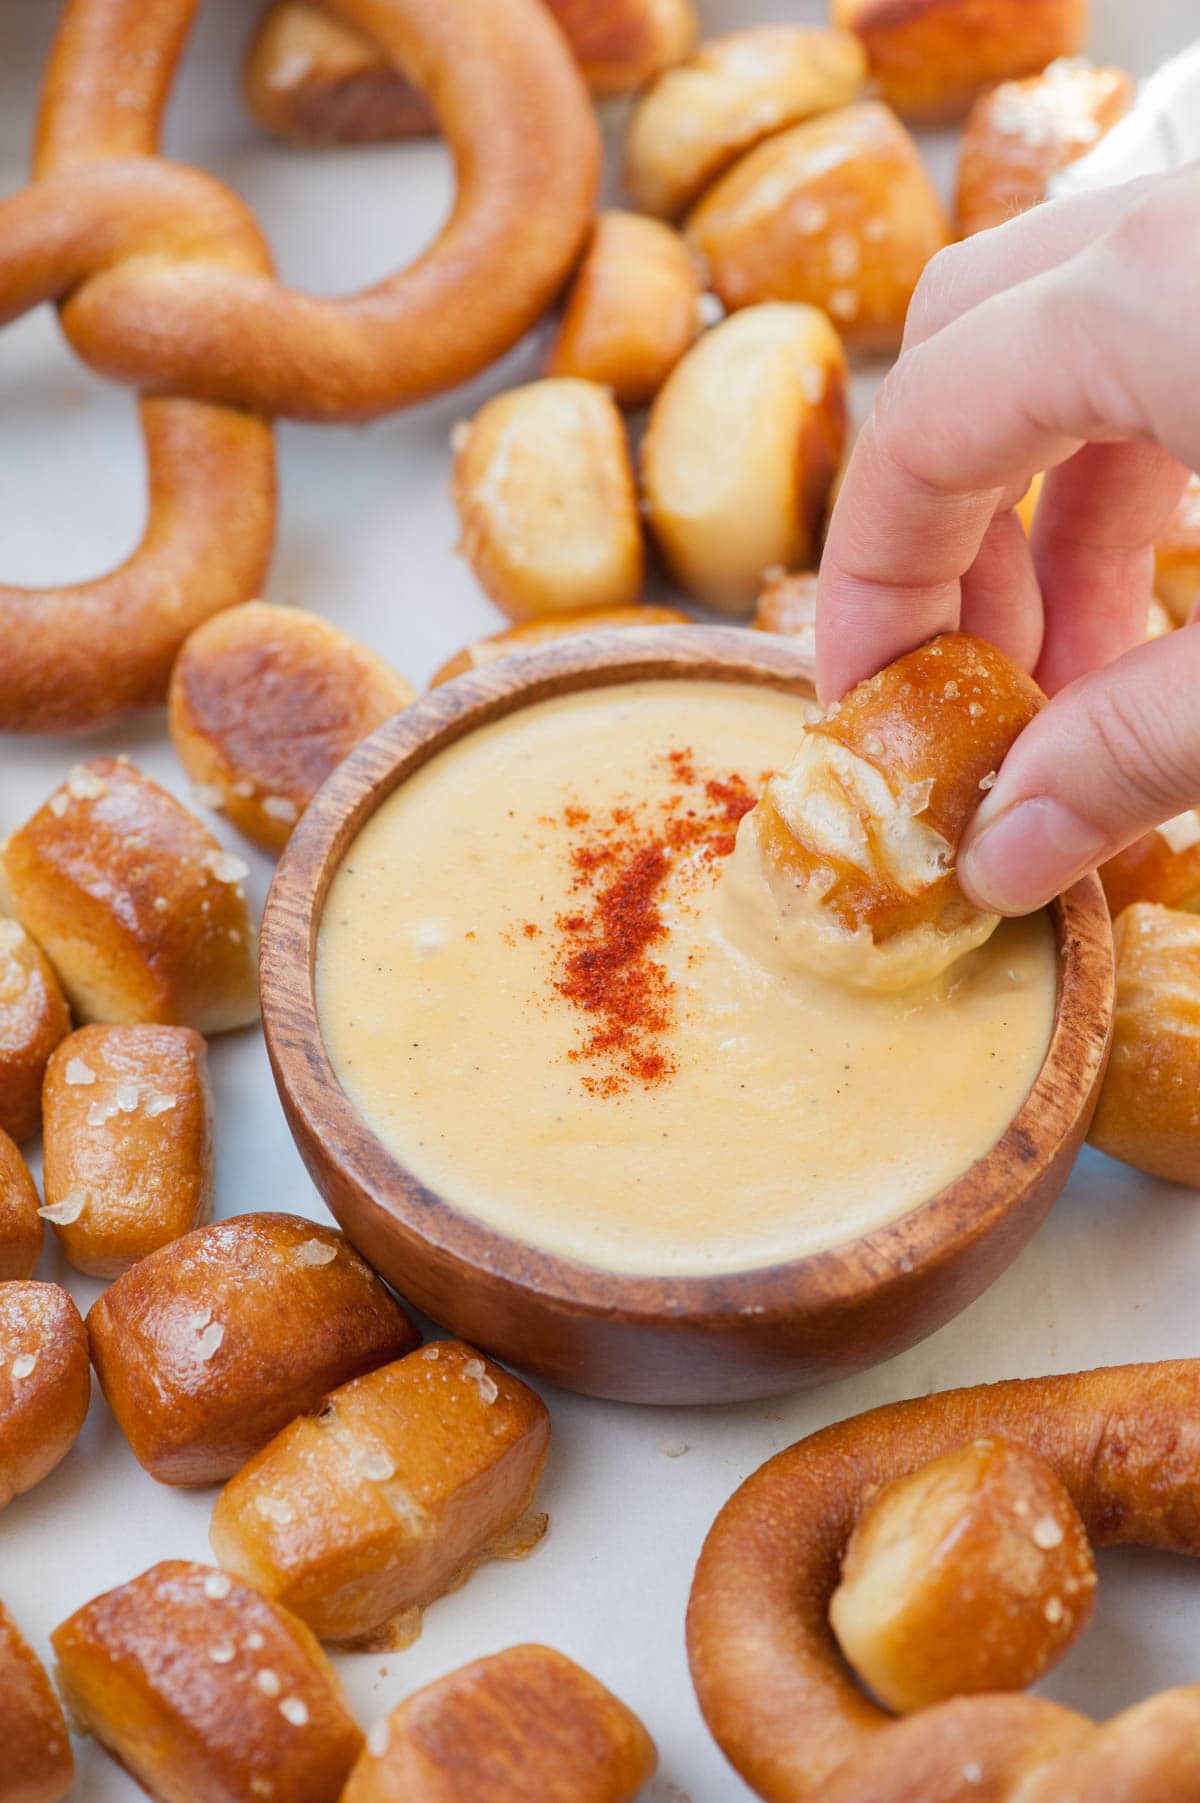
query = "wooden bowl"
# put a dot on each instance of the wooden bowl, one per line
(639, 1338)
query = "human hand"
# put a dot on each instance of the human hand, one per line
(1067, 340)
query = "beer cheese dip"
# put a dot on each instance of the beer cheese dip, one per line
(529, 986)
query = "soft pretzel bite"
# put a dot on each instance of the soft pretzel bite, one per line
(972, 1573)
(33, 1018)
(20, 1222)
(526, 1723)
(1177, 558)
(1148, 1114)
(45, 1383)
(729, 95)
(623, 44)
(38, 1765)
(633, 309)
(783, 1706)
(839, 212)
(141, 911)
(265, 701)
(1162, 866)
(846, 863)
(546, 631)
(1024, 132)
(744, 440)
(787, 604)
(128, 1152)
(206, 1348)
(932, 58)
(546, 498)
(206, 1691)
(359, 1515)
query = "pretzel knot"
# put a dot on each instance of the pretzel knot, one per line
(163, 281)
(773, 1688)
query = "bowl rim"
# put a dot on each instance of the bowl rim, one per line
(335, 1138)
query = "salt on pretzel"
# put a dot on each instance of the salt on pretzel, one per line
(1124, 1442)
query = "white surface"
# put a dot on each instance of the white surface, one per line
(366, 536)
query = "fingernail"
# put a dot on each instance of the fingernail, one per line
(1028, 856)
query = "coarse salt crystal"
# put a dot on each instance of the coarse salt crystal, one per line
(431, 1353)
(255, 1641)
(989, 781)
(207, 795)
(1047, 1533)
(160, 903)
(225, 867)
(268, 1682)
(843, 303)
(379, 1739)
(221, 1655)
(973, 1773)
(370, 1463)
(200, 1319)
(66, 1211)
(159, 1103)
(810, 216)
(243, 788)
(273, 1508)
(210, 1340)
(315, 1252)
(85, 785)
(78, 1073)
(673, 1449)
(23, 1364)
(1183, 832)
(127, 1097)
(217, 1585)
(1053, 1610)
(58, 804)
(294, 1710)
(280, 807)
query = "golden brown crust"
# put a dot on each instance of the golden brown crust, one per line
(787, 604)
(38, 1763)
(743, 443)
(733, 92)
(973, 1573)
(20, 1223)
(526, 1723)
(533, 633)
(140, 909)
(632, 311)
(209, 1346)
(128, 1144)
(1177, 560)
(1162, 866)
(932, 58)
(1024, 132)
(265, 701)
(547, 502)
(45, 1383)
(623, 44)
(205, 1690)
(1125, 1443)
(33, 1018)
(390, 1493)
(838, 212)
(1149, 1109)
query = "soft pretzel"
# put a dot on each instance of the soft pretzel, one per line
(20, 1222)
(141, 910)
(33, 1018)
(744, 440)
(206, 1691)
(733, 92)
(311, 77)
(839, 212)
(1177, 558)
(532, 633)
(526, 1723)
(1125, 1443)
(38, 1765)
(359, 1515)
(1148, 1114)
(127, 1143)
(972, 1573)
(45, 1383)
(208, 1347)
(632, 311)
(846, 864)
(265, 702)
(1023, 132)
(1162, 866)
(932, 58)
(787, 604)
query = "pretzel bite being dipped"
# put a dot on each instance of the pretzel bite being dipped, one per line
(932, 58)
(358, 1516)
(527, 1723)
(45, 1383)
(1177, 557)
(1149, 1109)
(546, 498)
(206, 1348)
(974, 1573)
(128, 1152)
(744, 441)
(1162, 866)
(632, 311)
(20, 1222)
(787, 604)
(38, 1766)
(534, 633)
(733, 92)
(846, 864)
(141, 911)
(265, 701)
(33, 1018)
(206, 1691)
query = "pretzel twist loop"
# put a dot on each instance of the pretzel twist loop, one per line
(772, 1685)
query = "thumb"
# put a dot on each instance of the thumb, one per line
(1111, 756)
